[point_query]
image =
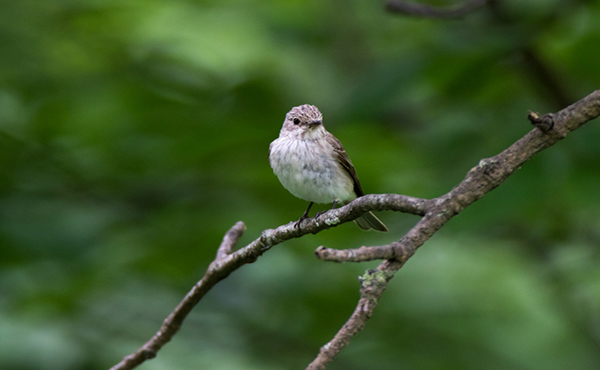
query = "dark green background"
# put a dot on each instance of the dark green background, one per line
(133, 134)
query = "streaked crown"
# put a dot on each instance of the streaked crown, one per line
(305, 113)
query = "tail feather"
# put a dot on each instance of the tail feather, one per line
(369, 221)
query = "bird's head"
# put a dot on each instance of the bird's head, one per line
(303, 122)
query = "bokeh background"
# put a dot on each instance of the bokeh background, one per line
(133, 134)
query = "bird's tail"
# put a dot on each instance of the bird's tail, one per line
(369, 221)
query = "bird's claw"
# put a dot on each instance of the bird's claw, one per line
(297, 224)
(320, 213)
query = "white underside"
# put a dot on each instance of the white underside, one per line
(312, 177)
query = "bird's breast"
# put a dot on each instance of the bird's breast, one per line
(309, 170)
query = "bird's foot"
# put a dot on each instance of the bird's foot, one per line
(297, 224)
(320, 213)
(303, 217)
(332, 207)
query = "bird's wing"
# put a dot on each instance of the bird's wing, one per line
(342, 157)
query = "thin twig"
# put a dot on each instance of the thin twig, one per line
(393, 250)
(230, 239)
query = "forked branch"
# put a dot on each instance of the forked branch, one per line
(228, 261)
(487, 175)
(484, 177)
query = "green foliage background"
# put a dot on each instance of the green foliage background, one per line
(133, 134)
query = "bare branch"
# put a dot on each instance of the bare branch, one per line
(230, 239)
(221, 267)
(226, 262)
(369, 202)
(372, 285)
(551, 86)
(395, 250)
(430, 11)
(362, 254)
(481, 179)
(487, 175)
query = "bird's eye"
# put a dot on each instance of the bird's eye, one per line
(296, 121)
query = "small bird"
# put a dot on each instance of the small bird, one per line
(312, 164)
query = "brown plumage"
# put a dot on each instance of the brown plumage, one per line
(313, 165)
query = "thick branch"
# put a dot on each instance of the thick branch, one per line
(481, 179)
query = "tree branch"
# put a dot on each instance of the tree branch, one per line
(481, 179)
(484, 177)
(372, 285)
(226, 262)
(430, 11)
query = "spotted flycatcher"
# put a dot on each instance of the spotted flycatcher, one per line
(312, 164)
